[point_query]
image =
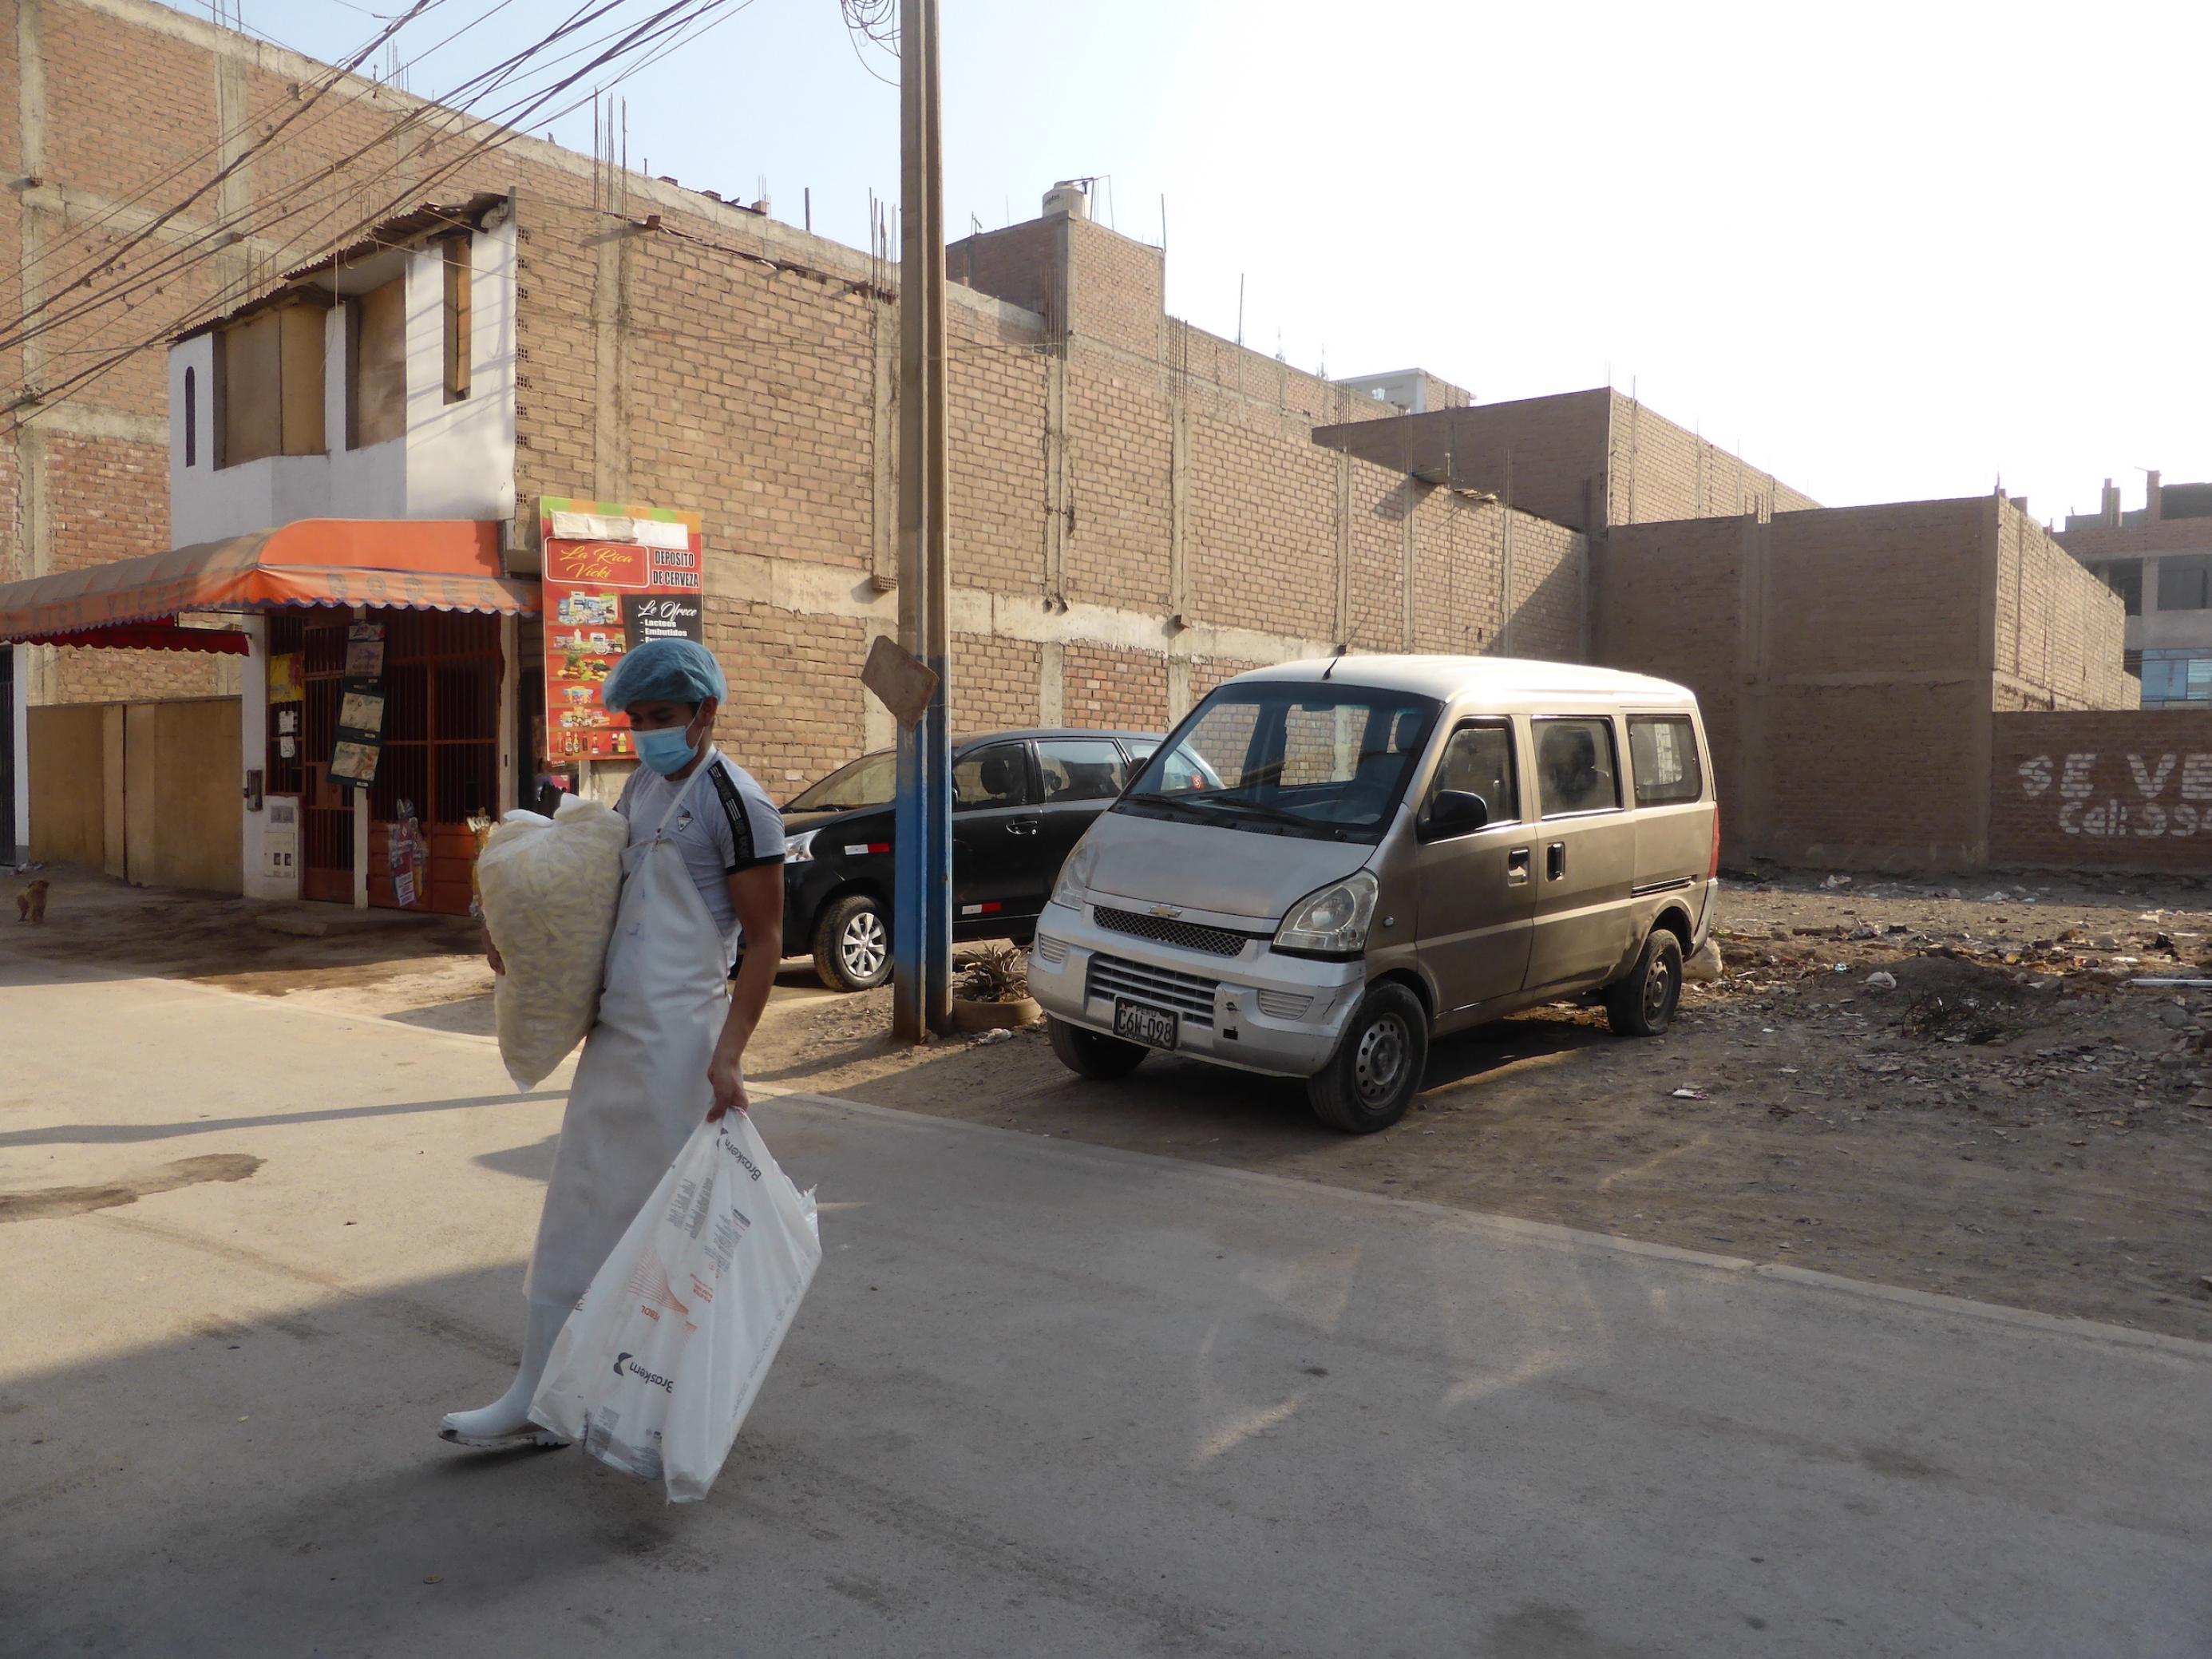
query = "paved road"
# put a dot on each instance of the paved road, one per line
(1044, 1400)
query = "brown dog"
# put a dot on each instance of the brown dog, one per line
(31, 902)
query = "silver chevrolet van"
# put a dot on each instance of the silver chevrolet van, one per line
(1329, 862)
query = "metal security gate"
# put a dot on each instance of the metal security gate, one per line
(439, 759)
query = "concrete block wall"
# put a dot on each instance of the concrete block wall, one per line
(1660, 471)
(1119, 517)
(2062, 635)
(1849, 660)
(2128, 790)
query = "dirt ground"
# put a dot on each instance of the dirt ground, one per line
(2011, 1120)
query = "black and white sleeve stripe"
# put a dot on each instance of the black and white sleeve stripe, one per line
(749, 848)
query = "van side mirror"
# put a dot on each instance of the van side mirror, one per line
(1455, 813)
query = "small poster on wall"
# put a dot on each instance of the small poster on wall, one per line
(614, 577)
(286, 682)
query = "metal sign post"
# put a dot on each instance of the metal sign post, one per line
(921, 919)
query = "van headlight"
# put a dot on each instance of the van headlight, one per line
(800, 849)
(1333, 921)
(1074, 884)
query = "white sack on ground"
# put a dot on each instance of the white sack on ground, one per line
(549, 887)
(656, 1369)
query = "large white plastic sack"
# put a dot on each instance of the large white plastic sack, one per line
(657, 1367)
(549, 888)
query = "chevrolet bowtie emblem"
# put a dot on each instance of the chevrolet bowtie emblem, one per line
(1168, 910)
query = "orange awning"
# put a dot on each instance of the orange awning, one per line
(434, 564)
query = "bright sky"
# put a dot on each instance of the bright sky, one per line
(1886, 251)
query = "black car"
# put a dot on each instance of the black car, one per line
(1020, 802)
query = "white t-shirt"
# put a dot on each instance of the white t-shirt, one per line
(728, 824)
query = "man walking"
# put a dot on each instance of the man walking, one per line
(703, 886)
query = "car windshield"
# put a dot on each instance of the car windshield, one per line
(1290, 758)
(870, 780)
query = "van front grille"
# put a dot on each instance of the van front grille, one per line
(1186, 994)
(1163, 930)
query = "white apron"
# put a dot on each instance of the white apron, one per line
(641, 1086)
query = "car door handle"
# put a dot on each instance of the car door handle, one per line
(1022, 826)
(1517, 867)
(1555, 861)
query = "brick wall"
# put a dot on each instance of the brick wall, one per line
(1848, 661)
(2127, 790)
(729, 365)
(1660, 471)
(2061, 631)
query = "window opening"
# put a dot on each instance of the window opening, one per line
(376, 365)
(461, 323)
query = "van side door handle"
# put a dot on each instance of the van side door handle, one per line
(1555, 861)
(1021, 826)
(1517, 867)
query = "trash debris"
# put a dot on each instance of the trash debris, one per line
(1883, 980)
(1998, 897)
(1842, 968)
(985, 1039)
(1688, 1094)
(1705, 967)
(1836, 881)
(2172, 984)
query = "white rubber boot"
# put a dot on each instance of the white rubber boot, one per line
(506, 1422)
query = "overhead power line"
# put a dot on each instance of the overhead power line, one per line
(628, 48)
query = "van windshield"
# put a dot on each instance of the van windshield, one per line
(1289, 758)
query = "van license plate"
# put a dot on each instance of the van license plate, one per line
(1155, 1028)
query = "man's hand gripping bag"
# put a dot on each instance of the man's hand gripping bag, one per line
(661, 1360)
(549, 888)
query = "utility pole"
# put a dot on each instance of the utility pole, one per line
(921, 919)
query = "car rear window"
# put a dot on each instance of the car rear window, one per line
(1662, 752)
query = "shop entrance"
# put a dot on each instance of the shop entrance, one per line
(439, 760)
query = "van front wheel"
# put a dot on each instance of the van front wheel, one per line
(1376, 1071)
(1643, 1003)
(1093, 1054)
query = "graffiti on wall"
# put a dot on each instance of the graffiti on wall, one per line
(2172, 795)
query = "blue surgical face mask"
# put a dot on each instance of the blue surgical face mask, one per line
(667, 751)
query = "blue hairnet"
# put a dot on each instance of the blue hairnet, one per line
(666, 670)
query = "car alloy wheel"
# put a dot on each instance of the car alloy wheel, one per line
(864, 945)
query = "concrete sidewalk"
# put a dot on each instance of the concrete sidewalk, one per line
(1044, 1400)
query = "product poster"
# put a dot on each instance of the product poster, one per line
(614, 577)
(361, 708)
(354, 763)
(409, 856)
(361, 711)
(365, 652)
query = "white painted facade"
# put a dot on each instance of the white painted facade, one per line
(455, 460)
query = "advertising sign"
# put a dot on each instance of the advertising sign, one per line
(361, 709)
(614, 577)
